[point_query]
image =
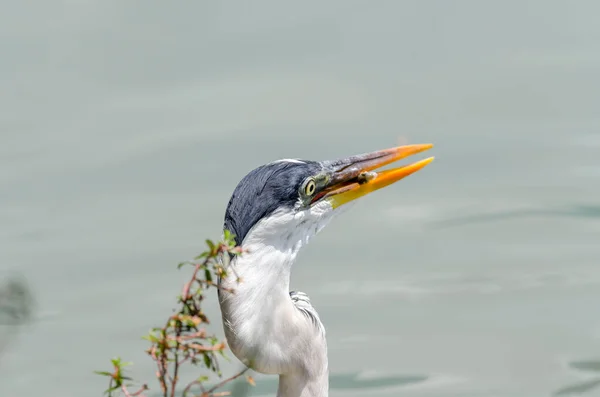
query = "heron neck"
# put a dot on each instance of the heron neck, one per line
(296, 385)
(266, 330)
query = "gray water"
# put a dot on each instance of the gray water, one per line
(125, 127)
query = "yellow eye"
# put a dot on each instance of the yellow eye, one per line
(310, 188)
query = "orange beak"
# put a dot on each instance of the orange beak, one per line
(354, 177)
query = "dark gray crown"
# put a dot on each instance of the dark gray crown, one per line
(263, 190)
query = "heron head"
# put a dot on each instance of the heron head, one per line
(289, 201)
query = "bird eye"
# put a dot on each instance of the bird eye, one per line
(310, 187)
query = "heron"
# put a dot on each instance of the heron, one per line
(273, 212)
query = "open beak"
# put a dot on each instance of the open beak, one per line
(355, 177)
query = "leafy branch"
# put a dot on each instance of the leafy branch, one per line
(183, 339)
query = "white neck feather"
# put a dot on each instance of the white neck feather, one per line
(265, 328)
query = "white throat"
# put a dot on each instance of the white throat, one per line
(268, 329)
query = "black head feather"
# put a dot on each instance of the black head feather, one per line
(263, 190)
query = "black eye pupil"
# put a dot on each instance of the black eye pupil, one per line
(310, 188)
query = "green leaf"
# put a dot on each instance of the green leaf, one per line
(182, 264)
(223, 354)
(118, 363)
(103, 373)
(229, 238)
(211, 245)
(207, 361)
(150, 337)
(202, 255)
(111, 389)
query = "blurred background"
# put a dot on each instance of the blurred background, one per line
(125, 126)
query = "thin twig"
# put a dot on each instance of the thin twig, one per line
(135, 394)
(223, 383)
(198, 335)
(192, 384)
(202, 348)
(217, 286)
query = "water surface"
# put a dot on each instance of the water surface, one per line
(125, 127)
